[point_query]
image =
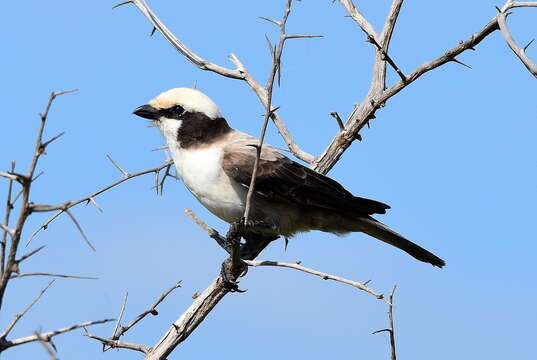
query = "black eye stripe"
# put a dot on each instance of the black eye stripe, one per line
(175, 112)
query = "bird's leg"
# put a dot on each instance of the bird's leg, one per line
(233, 267)
(255, 242)
(260, 225)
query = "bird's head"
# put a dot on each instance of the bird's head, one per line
(185, 116)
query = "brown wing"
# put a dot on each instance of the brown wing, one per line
(281, 179)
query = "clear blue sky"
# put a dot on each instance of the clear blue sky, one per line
(453, 154)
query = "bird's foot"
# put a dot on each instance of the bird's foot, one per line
(230, 271)
(243, 225)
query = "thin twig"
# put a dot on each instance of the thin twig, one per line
(391, 329)
(19, 316)
(118, 321)
(116, 165)
(31, 253)
(9, 207)
(120, 344)
(50, 334)
(93, 195)
(25, 211)
(212, 232)
(336, 116)
(152, 310)
(323, 275)
(276, 70)
(80, 230)
(47, 345)
(63, 276)
(359, 18)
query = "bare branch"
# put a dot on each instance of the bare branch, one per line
(239, 73)
(11, 176)
(297, 36)
(212, 232)
(92, 200)
(125, 174)
(120, 344)
(520, 52)
(9, 207)
(385, 56)
(323, 275)
(282, 128)
(180, 46)
(93, 195)
(80, 230)
(269, 111)
(11, 265)
(189, 320)
(391, 329)
(48, 142)
(336, 116)
(31, 253)
(152, 310)
(118, 320)
(17, 276)
(360, 19)
(50, 334)
(17, 317)
(377, 98)
(7, 230)
(516, 4)
(47, 345)
(276, 22)
(389, 25)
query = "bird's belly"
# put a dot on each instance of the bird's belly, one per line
(204, 177)
(223, 201)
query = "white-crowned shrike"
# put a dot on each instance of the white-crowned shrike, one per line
(216, 161)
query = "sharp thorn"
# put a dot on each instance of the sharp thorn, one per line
(122, 3)
(527, 46)
(461, 63)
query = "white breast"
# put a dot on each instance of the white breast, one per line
(202, 173)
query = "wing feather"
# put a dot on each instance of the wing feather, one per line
(281, 179)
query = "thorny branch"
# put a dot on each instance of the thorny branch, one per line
(119, 330)
(10, 265)
(520, 52)
(63, 208)
(47, 336)
(378, 94)
(5, 226)
(324, 276)
(391, 329)
(240, 73)
(375, 99)
(19, 316)
(152, 310)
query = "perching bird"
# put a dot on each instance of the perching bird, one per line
(216, 161)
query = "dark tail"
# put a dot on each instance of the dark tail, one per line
(380, 231)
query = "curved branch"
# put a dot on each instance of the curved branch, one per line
(239, 73)
(520, 52)
(323, 275)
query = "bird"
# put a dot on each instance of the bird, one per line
(215, 163)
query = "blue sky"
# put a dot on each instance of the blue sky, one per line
(453, 154)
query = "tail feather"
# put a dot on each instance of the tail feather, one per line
(380, 231)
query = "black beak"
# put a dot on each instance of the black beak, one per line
(147, 111)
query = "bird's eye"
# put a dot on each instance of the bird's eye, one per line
(175, 112)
